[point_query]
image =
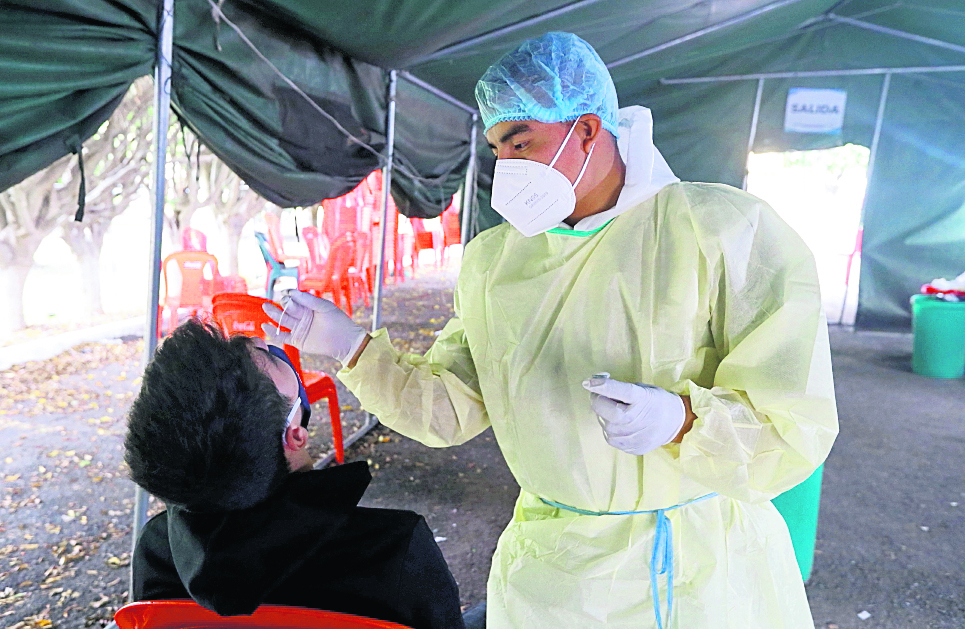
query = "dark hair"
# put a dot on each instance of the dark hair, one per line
(204, 432)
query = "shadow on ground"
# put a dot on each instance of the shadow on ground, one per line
(890, 537)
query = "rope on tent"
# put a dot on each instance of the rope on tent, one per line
(218, 15)
(77, 148)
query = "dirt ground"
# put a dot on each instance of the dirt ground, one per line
(889, 551)
(66, 502)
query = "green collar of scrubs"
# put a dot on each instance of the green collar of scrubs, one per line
(575, 232)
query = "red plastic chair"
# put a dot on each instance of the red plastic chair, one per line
(359, 275)
(451, 230)
(855, 252)
(189, 281)
(276, 243)
(230, 284)
(423, 239)
(333, 276)
(188, 614)
(318, 251)
(193, 240)
(242, 314)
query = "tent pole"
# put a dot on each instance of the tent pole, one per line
(448, 51)
(877, 28)
(469, 188)
(753, 135)
(386, 191)
(813, 74)
(435, 90)
(879, 119)
(704, 31)
(370, 420)
(162, 113)
(886, 84)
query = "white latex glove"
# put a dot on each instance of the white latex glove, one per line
(317, 326)
(636, 418)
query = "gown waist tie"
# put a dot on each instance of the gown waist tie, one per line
(662, 547)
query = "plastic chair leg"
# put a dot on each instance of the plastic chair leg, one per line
(333, 412)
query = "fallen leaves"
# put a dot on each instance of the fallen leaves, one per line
(59, 384)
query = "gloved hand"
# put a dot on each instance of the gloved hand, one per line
(636, 418)
(317, 326)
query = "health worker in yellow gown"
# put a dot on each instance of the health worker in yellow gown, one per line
(651, 355)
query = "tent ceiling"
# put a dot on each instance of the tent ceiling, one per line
(64, 65)
(450, 44)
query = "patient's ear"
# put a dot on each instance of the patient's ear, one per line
(296, 438)
(296, 449)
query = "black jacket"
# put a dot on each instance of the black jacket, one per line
(309, 545)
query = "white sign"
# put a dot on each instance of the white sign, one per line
(814, 110)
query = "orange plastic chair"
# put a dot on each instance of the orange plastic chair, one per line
(451, 230)
(236, 313)
(333, 277)
(318, 251)
(189, 280)
(193, 240)
(422, 239)
(230, 284)
(358, 274)
(186, 613)
(276, 243)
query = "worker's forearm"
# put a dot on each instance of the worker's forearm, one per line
(351, 363)
(688, 419)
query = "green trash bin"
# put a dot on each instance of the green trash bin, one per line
(799, 508)
(938, 331)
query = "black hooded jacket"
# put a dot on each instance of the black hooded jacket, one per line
(308, 545)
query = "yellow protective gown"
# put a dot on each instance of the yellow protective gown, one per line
(701, 290)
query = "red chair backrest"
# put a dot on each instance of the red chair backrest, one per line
(193, 240)
(340, 258)
(186, 613)
(422, 238)
(196, 272)
(363, 251)
(316, 253)
(236, 313)
(275, 241)
(451, 228)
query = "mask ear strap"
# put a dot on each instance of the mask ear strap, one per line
(563, 145)
(586, 162)
(290, 419)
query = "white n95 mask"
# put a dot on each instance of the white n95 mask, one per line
(535, 197)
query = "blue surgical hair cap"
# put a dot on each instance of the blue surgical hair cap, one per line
(552, 78)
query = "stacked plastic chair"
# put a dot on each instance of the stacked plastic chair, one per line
(330, 275)
(242, 314)
(276, 267)
(189, 283)
(181, 614)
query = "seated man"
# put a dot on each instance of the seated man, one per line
(248, 521)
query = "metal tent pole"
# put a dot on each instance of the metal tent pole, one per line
(435, 90)
(469, 187)
(386, 191)
(371, 420)
(879, 119)
(750, 15)
(877, 28)
(813, 74)
(753, 134)
(162, 113)
(544, 16)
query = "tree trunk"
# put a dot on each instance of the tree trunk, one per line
(234, 225)
(12, 280)
(86, 242)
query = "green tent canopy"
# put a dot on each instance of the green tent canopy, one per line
(292, 94)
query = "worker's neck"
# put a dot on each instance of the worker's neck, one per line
(604, 195)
